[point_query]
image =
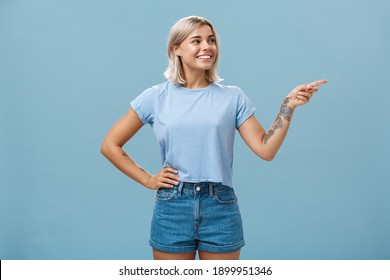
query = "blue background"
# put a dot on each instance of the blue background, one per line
(68, 70)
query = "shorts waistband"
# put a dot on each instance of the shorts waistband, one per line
(198, 187)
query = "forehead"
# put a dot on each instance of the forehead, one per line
(202, 31)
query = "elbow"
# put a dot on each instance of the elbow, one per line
(104, 149)
(108, 148)
(268, 157)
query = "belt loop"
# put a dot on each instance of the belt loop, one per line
(211, 191)
(179, 189)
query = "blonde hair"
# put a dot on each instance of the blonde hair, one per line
(179, 32)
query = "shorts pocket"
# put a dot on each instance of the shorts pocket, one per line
(225, 195)
(165, 194)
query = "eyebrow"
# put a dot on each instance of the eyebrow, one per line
(197, 36)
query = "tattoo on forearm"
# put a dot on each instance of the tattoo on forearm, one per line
(124, 154)
(285, 113)
(277, 124)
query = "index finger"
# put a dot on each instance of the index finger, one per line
(317, 83)
(171, 170)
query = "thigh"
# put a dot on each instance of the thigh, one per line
(204, 255)
(159, 255)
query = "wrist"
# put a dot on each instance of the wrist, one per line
(149, 182)
(288, 101)
(287, 108)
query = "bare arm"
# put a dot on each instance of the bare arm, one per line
(266, 144)
(112, 149)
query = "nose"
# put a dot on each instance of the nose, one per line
(205, 45)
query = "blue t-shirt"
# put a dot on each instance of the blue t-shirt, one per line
(195, 128)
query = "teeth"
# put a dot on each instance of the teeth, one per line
(204, 56)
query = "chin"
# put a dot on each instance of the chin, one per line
(206, 67)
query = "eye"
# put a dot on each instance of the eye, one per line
(211, 41)
(196, 41)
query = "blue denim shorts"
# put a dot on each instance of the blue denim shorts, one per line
(196, 216)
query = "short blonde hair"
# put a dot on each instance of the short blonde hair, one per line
(179, 32)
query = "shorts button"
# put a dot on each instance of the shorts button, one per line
(197, 188)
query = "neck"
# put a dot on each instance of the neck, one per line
(196, 80)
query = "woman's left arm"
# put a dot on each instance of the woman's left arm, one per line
(266, 144)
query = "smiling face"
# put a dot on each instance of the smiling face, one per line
(198, 51)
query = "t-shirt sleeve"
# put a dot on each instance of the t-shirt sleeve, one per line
(143, 105)
(245, 108)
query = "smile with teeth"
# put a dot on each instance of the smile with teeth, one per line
(204, 56)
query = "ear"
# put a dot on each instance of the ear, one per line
(177, 50)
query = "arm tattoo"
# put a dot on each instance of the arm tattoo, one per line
(277, 124)
(285, 112)
(124, 154)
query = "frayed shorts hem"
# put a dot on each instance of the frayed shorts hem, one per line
(199, 246)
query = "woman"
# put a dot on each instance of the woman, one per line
(194, 119)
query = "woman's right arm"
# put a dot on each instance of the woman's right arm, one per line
(112, 149)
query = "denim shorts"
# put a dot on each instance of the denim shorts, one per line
(196, 216)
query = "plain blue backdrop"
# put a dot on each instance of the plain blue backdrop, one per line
(68, 70)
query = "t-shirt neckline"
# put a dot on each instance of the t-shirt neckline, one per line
(194, 90)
